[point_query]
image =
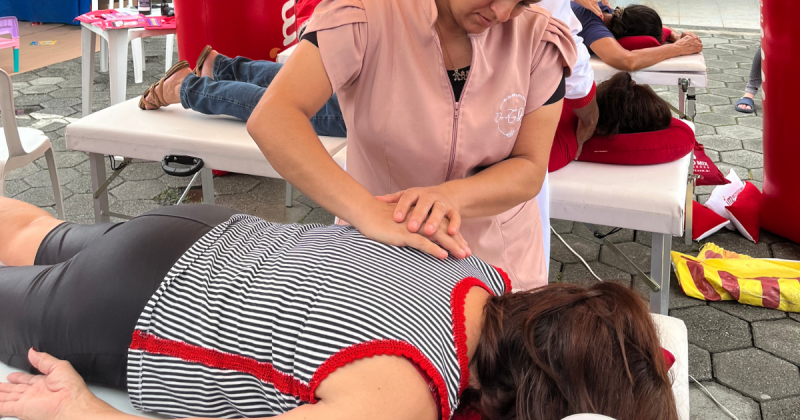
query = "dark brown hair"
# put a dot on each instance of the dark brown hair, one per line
(635, 20)
(628, 107)
(564, 349)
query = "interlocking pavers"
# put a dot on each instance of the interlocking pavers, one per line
(636, 252)
(700, 363)
(141, 171)
(15, 187)
(714, 330)
(747, 312)
(577, 273)
(780, 337)
(743, 158)
(588, 250)
(715, 119)
(757, 374)
(42, 178)
(704, 408)
(235, 184)
(624, 235)
(787, 251)
(138, 190)
(39, 81)
(783, 409)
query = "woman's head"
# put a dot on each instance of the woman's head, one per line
(628, 107)
(635, 20)
(565, 349)
(476, 16)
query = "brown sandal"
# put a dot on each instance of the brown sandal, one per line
(159, 102)
(201, 60)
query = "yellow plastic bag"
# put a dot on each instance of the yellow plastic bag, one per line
(716, 274)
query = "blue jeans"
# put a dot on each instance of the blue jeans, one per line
(239, 84)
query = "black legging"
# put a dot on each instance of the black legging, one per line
(82, 297)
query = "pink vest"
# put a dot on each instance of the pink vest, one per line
(404, 128)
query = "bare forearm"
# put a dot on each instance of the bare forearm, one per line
(288, 141)
(498, 188)
(647, 57)
(588, 114)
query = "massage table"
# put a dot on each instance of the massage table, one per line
(687, 72)
(672, 334)
(125, 130)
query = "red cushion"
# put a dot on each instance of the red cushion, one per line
(745, 212)
(706, 169)
(668, 357)
(665, 33)
(632, 43)
(705, 221)
(654, 147)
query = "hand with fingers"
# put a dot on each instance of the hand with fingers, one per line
(593, 6)
(59, 393)
(380, 224)
(426, 211)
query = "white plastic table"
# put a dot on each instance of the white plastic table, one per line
(117, 56)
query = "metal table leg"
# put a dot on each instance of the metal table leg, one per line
(88, 44)
(98, 165)
(691, 108)
(289, 194)
(208, 186)
(659, 271)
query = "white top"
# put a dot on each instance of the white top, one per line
(579, 84)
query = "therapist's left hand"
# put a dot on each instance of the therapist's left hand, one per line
(428, 207)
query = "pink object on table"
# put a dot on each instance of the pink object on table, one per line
(10, 26)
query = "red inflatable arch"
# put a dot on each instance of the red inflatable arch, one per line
(257, 29)
(780, 46)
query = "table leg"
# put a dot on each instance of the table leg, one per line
(103, 55)
(208, 186)
(289, 194)
(168, 58)
(97, 164)
(691, 109)
(118, 65)
(138, 59)
(659, 272)
(88, 44)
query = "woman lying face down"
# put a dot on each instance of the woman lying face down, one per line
(233, 316)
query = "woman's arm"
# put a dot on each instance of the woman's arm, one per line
(379, 388)
(492, 191)
(280, 127)
(609, 50)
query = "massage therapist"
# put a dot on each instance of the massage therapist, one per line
(451, 107)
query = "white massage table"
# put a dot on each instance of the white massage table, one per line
(672, 333)
(687, 72)
(125, 130)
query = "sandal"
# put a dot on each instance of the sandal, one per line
(202, 59)
(746, 101)
(159, 103)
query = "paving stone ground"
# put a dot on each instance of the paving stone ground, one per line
(747, 357)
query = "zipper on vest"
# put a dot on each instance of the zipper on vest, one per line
(456, 105)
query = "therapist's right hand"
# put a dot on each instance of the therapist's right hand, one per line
(377, 223)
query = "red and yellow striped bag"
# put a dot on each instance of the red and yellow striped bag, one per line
(716, 274)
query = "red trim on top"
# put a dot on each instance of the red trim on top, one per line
(265, 372)
(582, 102)
(383, 348)
(457, 300)
(506, 279)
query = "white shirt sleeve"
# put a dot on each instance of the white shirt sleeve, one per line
(579, 84)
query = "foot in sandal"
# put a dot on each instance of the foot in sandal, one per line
(166, 91)
(746, 104)
(205, 67)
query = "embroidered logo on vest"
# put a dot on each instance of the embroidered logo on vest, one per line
(509, 118)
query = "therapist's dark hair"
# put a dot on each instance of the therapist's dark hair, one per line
(635, 20)
(628, 107)
(564, 349)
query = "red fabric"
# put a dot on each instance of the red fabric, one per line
(565, 143)
(705, 221)
(650, 148)
(505, 277)
(706, 169)
(265, 372)
(665, 33)
(632, 43)
(304, 9)
(668, 357)
(582, 102)
(457, 299)
(745, 212)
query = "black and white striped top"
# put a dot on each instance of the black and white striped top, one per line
(256, 315)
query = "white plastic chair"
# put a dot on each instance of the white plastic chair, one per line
(137, 51)
(21, 146)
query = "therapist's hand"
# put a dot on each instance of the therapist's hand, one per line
(426, 210)
(593, 6)
(377, 223)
